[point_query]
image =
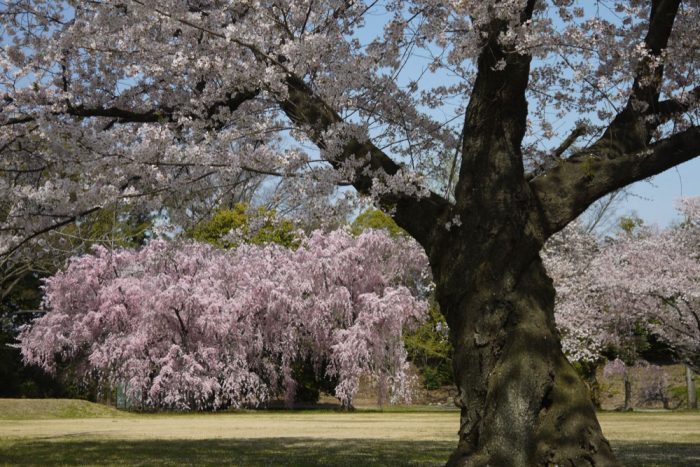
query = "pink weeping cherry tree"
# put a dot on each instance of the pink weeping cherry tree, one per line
(188, 326)
(483, 127)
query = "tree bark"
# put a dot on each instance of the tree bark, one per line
(627, 405)
(522, 403)
(690, 385)
(589, 374)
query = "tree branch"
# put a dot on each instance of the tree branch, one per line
(571, 139)
(670, 107)
(49, 228)
(122, 115)
(309, 112)
(566, 190)
(496, 116)
(162, 114)
(631, 130)
(277, 173)
(623, 154)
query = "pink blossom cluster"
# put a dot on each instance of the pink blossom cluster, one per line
(188, 326)
(567, 257)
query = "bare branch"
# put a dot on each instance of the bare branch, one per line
(571, 139)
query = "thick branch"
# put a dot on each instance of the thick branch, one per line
(630, 130)
(668, 108)
(623, 154)
(122, 115)
(162, 114)
(17, 121)
(571, 139)
(495, 121)
(309, 112)
(568, 189)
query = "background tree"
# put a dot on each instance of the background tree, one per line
(192, 327)
(428, 345)
(634, 297)
(653, 279)
(376, 219)
(429, 349)
(168, 102)
(228, 228)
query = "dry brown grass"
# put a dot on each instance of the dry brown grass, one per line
(331, 425)
(668, 427)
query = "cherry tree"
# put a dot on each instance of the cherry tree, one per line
(188, 326)
(653, 278)
(567, 257)
(482, 127)
(645, 280)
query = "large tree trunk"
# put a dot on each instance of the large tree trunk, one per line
(522, 403)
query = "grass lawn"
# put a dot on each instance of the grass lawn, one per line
(77, 432)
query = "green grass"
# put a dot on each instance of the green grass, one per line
(269, 451)
(102, 436)
(288, 451)
(42, 409)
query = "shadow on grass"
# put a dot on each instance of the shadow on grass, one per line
(287, 452)
(653, 454)
(254, 452)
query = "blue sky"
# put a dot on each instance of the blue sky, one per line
(653, 200)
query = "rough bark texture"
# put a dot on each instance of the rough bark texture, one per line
(522, 403)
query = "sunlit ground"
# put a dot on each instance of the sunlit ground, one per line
(76, 432)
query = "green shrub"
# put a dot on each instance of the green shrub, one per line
(429, 349)
(376, 219)
(256, 226)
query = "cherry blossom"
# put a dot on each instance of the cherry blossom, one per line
(188, 326)
(509, 116)
(649, 279)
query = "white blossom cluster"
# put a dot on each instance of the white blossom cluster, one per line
(176, 105)
(647, 280)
